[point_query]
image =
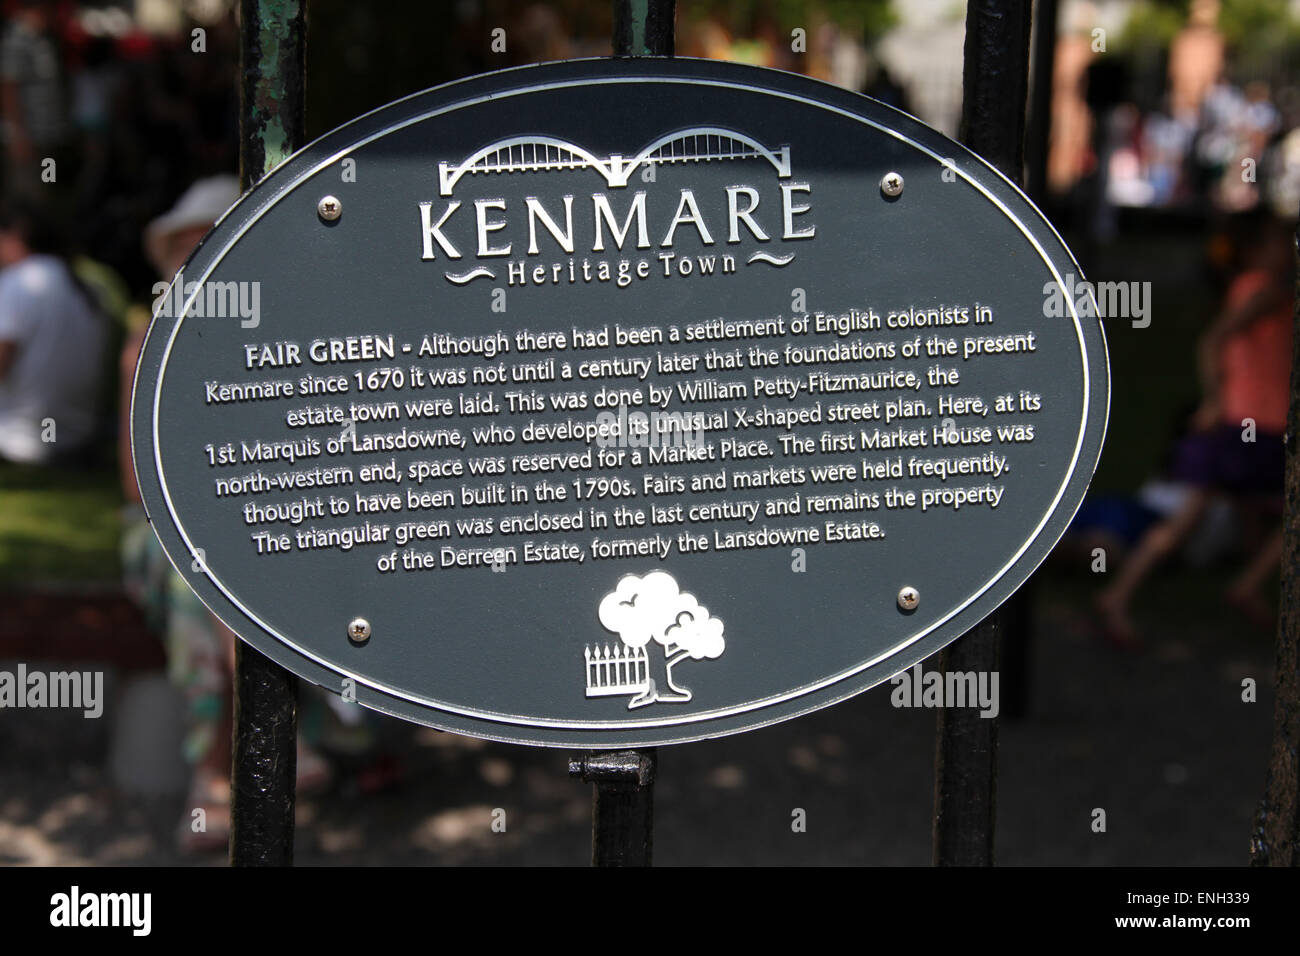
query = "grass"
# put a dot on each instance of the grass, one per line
(59, 525)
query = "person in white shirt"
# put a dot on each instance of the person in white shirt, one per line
(52, 351)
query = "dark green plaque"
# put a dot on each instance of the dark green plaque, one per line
(617, 403)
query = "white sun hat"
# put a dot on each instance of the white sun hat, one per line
(200, 205)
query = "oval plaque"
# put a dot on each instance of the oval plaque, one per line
(615, 403)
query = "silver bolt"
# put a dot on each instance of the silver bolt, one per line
(359, 630)
(329, 208)
(909, 598)
(891, 184)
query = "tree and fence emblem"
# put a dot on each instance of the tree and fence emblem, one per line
(659, 626)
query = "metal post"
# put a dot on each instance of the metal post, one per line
(1018, 614)
(644, 27)
(272, 63)
(265, 761)
(1038, 147)
(623, 805)
(994, 83)
(1015, 651)
(1276, 837)
(622, 831)
(966, 760)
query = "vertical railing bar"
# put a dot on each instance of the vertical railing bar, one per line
(994, 85)
(1275, 837)
(1018, 614)
(644, 27)
(965, 766)
(1038, 128)
(622, 827)
(272, 61)
(623, 802)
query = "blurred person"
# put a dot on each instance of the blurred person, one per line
(539, 34)
(32, 120)
(1166, 145)
(887, 90)
(1196, 60)
(1283, 180)
(1117, 126)
(53, 339)
(1070, 156)
(1126, 180)
(94, 85)
(707, 38)
(1116, 521)
(1237, 128)
(200, 649)
(1235, 448)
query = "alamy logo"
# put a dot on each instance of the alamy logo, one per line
(209, 300)
(921, 688)
(76, 690)
(75, 908)
(659, 626)
(1102, 300)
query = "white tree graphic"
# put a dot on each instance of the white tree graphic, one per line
(652, 608)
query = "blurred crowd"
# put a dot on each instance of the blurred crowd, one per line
(128, 118)
(102, 126)
(1196, 136)
(119, 148)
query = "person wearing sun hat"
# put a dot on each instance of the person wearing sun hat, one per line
(170, 238)
(200, 649)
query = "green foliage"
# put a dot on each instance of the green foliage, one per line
(873, 17)
(1262, 35)
(865, 19)
(1151, 24)
(1252, 22)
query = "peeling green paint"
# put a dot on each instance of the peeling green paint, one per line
(639, 11)
(274, 35)
(277, 20)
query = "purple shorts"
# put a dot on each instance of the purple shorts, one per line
(1219, 459)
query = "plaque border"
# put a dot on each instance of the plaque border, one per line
(653, 71)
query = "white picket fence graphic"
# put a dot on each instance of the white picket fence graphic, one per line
(621, 670)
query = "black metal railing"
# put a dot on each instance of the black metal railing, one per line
(273, 44)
